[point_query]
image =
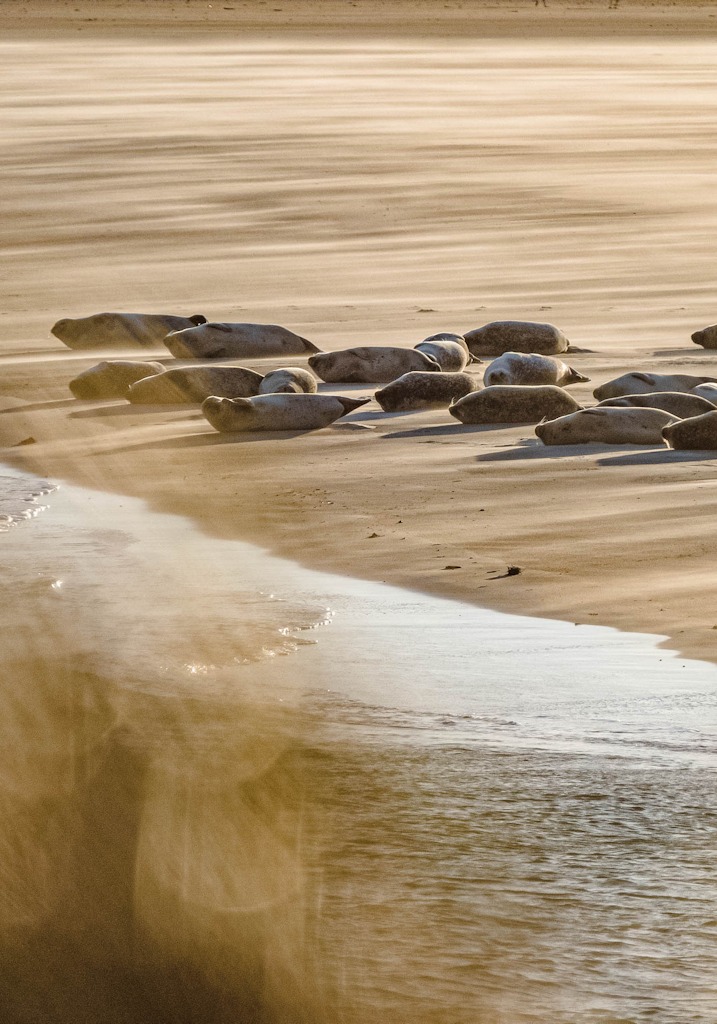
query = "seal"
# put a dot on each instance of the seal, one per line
(707, 337)
(639, 383)
(531, 368)
(236, 341)
(288, 379)
(111, 378)
(605, 425)
(451, 356)
(680, 403)
(708, 391)
(699, 433)
(518, 403)
(192, 384)
(501, 336)
(277, 412)
(448, 336)
(420, 390)
(121, 330)
(377, 364)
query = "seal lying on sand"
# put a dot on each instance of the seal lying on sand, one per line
(640, 383)
(377, 364)
(530, 368)
(605, 425)
(236, 341)
(120, 330)
(277, 412)
(111, 378)
(194, 384)
(699, 433)
(501, 336)
(419, 390)
(707, 337)
(680, 403)
(708, 391)
(514, 404)
(286, 380)
(451, 356)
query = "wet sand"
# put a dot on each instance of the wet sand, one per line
(362, 187)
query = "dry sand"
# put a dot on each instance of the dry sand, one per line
(374, 174)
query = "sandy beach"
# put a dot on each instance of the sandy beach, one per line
(364, 179)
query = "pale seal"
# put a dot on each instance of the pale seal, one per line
(501, 336)
(680, 403)
(697, 433)
(514, 404)
(121, 330)
(451, 356)
(639, 383)
(377, 364)
(707, 337)
(277, 412)
(193, 384)
(605, 425)
(530, 368)
(111, 378)
(288, 379)
(236, 341)
(420, 390)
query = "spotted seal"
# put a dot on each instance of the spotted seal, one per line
(506, 403)
(419, 390)
(111, 378)
(606, 425)
(121, 330)
(370, 364)
(501, 336)
(236, 341)
(680, 403)
(288, 379)
(639, 383)
(698, 433)
(531, 368)
(193, 384)
(277, 412)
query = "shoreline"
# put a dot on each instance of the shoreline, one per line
(375, 195)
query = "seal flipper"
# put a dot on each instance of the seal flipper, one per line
(350, 404)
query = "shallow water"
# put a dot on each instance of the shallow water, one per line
(333, 798)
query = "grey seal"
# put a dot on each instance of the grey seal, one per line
(288, 379)
(639, 383)
(277, 412)
(501, 336)
(377, 364)
(121, 330)
(680, 403)
(420, 390)
(111, 378)
(698, 433)
(195, 383)
(505, 403)
(531, 368)
(236, 341)
(605, 425)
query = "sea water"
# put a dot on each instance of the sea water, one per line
(330, 798)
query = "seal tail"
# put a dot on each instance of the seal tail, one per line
(350, 404)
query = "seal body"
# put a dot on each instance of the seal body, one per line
(111, 378)
(511, 403)
(605, 425)
(530, 368)
(501, 336)
(699, 433)
(236, 341)
(419, 390)
(640, 383)
(377, 364)
(447, 336)
(287, 380)
(121, 330)
(679, 403)
(707, 391)
(707, 337)
(277, 412)
(194, 384)
(451, 356)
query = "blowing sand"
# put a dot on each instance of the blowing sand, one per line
(374, 174)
